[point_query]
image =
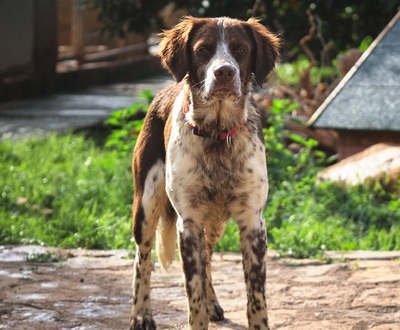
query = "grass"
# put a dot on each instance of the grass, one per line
(330, 217)
(68, 191)
(64, 191)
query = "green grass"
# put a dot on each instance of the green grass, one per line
(64, 191)
(68, 191)
(306, 219)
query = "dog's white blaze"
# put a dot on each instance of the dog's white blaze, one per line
(223, 56)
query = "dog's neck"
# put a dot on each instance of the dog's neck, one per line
(214, 116)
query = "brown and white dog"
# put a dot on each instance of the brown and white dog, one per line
(200, 160)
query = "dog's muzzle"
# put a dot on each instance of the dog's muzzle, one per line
(222, 82)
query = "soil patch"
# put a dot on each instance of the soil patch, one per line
(43, 288)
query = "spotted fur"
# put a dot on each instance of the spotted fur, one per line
(192, 184)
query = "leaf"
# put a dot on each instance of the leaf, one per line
(297, 138)
(146, 94)
(113, 121)
(297, 121)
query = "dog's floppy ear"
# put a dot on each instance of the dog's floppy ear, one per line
(173, 48)
(266, 50)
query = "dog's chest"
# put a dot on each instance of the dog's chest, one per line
(205, 175)
(205, 172)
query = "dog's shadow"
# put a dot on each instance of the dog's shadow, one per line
(227, 323)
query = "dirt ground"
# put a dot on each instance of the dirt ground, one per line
(91, 290)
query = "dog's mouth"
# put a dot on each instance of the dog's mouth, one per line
(221, 89)
(224, 93)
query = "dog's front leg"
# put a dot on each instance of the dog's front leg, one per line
(214, 231)
(253, 246)
(192, 250)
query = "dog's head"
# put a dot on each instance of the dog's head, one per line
(219, 55)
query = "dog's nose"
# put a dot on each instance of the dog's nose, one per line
(225, 73)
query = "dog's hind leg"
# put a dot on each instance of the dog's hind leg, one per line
(141, 316)
(147, 208)
(213, 233)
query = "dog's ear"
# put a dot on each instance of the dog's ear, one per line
(266, 50)
(173, 48)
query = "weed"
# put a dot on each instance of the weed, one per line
(127, 123)
(289, 73)
(43, 257)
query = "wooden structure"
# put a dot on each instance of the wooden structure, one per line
(364, 109)
(48, 46)
(28, 47)
(81, 39)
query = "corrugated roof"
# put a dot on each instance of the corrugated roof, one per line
(368, 97)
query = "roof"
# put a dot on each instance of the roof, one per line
(368, 97)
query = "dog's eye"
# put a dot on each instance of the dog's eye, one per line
(202, 50)
(241, 50)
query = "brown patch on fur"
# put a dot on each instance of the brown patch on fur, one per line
(266, 50)
(173, 48)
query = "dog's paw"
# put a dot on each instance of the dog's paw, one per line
(215, 312)
(144, 322)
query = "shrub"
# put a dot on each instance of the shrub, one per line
(127, 124)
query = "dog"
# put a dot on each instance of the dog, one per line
(200, 160)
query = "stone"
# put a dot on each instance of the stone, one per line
(379, 162)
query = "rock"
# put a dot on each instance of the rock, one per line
(379, 162)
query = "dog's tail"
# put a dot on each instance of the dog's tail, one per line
(166, 241)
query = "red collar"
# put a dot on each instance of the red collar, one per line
(221, 136)
(226, 135)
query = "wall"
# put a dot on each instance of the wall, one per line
(28, 47)
(16, 36)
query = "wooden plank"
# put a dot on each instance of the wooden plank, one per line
(77, 32)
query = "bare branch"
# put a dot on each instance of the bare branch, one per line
(307, 38)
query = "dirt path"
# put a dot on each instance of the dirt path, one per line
(91, 290)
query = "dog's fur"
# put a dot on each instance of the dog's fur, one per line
(194, 183)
